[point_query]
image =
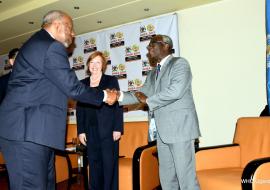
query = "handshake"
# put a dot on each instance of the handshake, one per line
(113, 96)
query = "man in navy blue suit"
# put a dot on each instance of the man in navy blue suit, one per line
(4, 79)
(33, 112)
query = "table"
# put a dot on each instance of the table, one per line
(82, 162)
(80, 150)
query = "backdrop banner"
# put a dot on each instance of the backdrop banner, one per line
(125, 50)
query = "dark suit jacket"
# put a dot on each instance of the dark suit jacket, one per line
(110, 118)
(35, 106)
(3, 86)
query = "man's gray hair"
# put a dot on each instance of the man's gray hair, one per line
(51, 16)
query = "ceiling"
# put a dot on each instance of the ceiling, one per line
(19, 19)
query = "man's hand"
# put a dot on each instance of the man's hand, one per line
(112, 96)
(141, 97)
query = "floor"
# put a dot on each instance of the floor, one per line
(77, 183)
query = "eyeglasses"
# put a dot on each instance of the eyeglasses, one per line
(151, 45)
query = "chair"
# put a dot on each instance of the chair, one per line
(145, 168)
(2, 164)
(3, 169)
(245, 164)
(66, 162)
(63, 169)
(70, 136)
(135, 135)
(74, 157)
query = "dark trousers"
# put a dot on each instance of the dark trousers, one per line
(103, 164)
(30, 166)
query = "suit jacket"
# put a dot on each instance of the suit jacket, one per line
(170, 99)
(35, 106)
(110, 118)
(3, 85)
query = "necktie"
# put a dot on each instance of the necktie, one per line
(158, 70)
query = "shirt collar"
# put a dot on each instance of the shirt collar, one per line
(163, 61)
(50, 34)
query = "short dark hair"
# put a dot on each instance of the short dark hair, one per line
(12, 53)
(163, 38)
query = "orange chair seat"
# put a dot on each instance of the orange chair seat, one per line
(61, 169)
(125, 172)
(223, 167)
(220, 179)
(135, 135)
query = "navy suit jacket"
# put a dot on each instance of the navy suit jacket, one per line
(35, 106)
(110, 118)
(3, 86)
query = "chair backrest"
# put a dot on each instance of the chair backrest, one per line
(61, 168)
(253, 136)
(135, 135)
(71, 132)
(2, 161)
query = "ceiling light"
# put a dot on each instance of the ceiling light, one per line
(99, 21)
(76, 7)
(146, 9)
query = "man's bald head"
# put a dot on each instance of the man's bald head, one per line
(59, 24)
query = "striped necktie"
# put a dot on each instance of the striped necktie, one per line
(158, 70)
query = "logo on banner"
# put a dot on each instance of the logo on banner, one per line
(90, 45)
(134, 84)
(117, 39)
(107, 56)
(147, 32)
(132, 53)
(119, 71)
(78, 63)
(145, 67)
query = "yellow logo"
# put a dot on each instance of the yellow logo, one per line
(135, 48)
(119, 35)
(80, 59)
(137, 82)
(106, 53)
(92, 41)
(122, 67)
(150, 27)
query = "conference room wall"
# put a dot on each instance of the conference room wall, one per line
(225, 45)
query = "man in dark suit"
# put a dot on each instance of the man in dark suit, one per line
(4, 79)
(33, 112)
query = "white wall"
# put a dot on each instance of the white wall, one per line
(225, 45)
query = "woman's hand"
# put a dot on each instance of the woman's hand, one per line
(82, 138)
(116, 135)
